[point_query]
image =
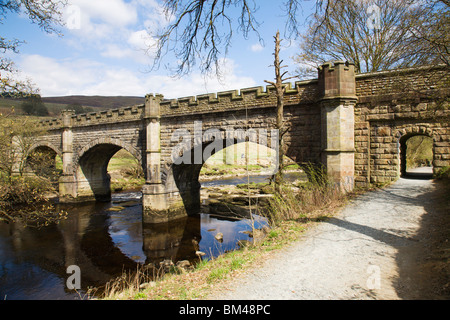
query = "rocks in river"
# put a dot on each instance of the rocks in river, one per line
(227, 208)
(130, 203)
(215, 195)
(116, 208)
(200, 253)
(219, 237)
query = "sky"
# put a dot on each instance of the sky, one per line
(102, 52)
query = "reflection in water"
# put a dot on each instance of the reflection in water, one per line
(103, 239)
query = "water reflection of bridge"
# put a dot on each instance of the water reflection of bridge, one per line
(84, 239)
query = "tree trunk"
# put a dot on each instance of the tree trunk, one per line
(279, 89)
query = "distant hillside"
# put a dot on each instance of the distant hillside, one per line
(102, 102)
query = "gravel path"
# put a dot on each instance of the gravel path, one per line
(367, 251)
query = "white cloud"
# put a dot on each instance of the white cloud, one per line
(110, 12)
(85, 77)
(116, 51)
(115, 28)
(257, 47)
(139, 47)
(142, 42)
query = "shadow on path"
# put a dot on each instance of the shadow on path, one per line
(423, 258)
(424, 267)
(376, 234)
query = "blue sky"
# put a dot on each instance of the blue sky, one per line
(101, 52)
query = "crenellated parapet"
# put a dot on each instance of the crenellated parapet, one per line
(132, 113)
(255, 97)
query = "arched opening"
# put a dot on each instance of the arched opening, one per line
(416, 156)
(125, 171)
(45, 163)
(209, 190)
(231, 179)
(239, 161)
(95, 168)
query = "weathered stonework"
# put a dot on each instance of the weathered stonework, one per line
(392, 107)
(354, 125)
(337, 83)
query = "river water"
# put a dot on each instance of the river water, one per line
(103, 242)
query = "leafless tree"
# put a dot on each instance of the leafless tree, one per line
(47, 15)
(377, 34)
(201, 32)
(280, 78)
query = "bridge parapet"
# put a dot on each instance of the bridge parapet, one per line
(255, 97)
(124, 114)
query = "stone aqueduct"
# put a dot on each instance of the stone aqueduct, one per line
(356, 125)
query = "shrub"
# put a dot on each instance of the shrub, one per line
(306, 201)
(24, 199)
(443, 173)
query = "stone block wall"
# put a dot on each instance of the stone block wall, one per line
(393, 106)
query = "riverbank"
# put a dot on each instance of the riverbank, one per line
(197, 282)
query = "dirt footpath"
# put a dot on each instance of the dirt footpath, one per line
(387, 244)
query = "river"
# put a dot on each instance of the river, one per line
(103, 242)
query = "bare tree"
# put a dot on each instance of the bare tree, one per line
(377, 34)
(47, 15)
(280, 77)
(201, 31)
(429, 33)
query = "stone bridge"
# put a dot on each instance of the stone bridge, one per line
(355, 125)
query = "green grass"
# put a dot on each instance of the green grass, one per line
(118, 163)
(126, 174)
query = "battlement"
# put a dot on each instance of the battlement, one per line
(299, 92)
(131, 113)
(337, 80)
(255, 97)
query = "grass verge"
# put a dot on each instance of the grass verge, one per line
(207, 276)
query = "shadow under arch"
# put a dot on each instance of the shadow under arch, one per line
(91, 167)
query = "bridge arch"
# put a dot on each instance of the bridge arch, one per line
(180, 175)
(404, 135)
(41, 160)
(44, 145)
(91, 164)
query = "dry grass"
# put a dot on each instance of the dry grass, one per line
(312, 200)
(206, 277)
